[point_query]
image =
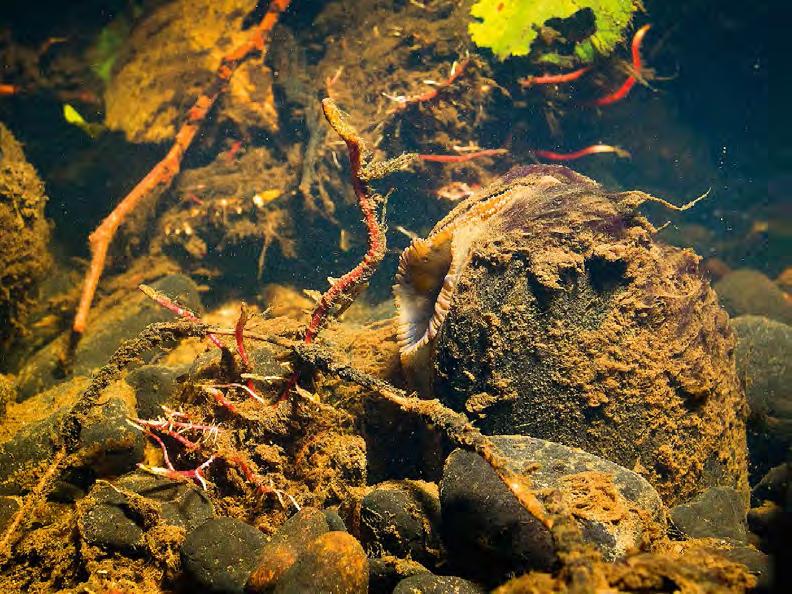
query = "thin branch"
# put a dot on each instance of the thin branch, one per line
(163, 172)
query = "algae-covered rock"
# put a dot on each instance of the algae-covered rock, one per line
(170, 59)
(24, 234)
(486, 530)
(543, 306)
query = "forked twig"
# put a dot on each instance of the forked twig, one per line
(163, 172)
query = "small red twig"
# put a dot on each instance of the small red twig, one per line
(462, 158)
(163, 172)
(589, 150)
(628, 84)
(553, 79)
(248, 390)
(218, 396)
(8, 89)
(174, 307)
(239, 334)
(403, 102)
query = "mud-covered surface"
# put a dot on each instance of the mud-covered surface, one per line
(24, 234)
(572, 323)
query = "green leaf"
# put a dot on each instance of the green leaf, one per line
(509, 27)
(73, 117)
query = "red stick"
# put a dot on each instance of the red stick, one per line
(462, 158)
(628, 84)
(348, 284)
(619, 93)
(553, 79)
(589, 150)
(8, 89)
(239, 334)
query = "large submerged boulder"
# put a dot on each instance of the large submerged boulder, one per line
(544, 306)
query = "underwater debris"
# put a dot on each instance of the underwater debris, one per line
(73, 117)
(165, 170)
(402, 102)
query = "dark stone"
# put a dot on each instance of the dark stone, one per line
(719, 512)
(401, 519)
(485, 529)
(756, 561)
(115, 447)
(111, 523)
(220, 554)
(264, 362)
(153, 385)
(484, 526)
(105, 334)
(287, 544)
(764, 349)
(121, 445)
(333, 562)
(399, 446)
(776, 484)
(426, 583)
(110, 520)
(386, 572)
(334, 522)
(748, 291)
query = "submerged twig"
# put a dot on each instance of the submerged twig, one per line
(342, 291)
(163, 172)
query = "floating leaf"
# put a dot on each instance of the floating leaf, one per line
(73, 117)
(509, 27)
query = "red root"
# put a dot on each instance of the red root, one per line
(403, 102)
(174, 307)
(462, 158)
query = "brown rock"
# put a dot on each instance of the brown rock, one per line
(280, 553)
(24, 234)
(333, 563)
(749, 291)
(567, 321)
